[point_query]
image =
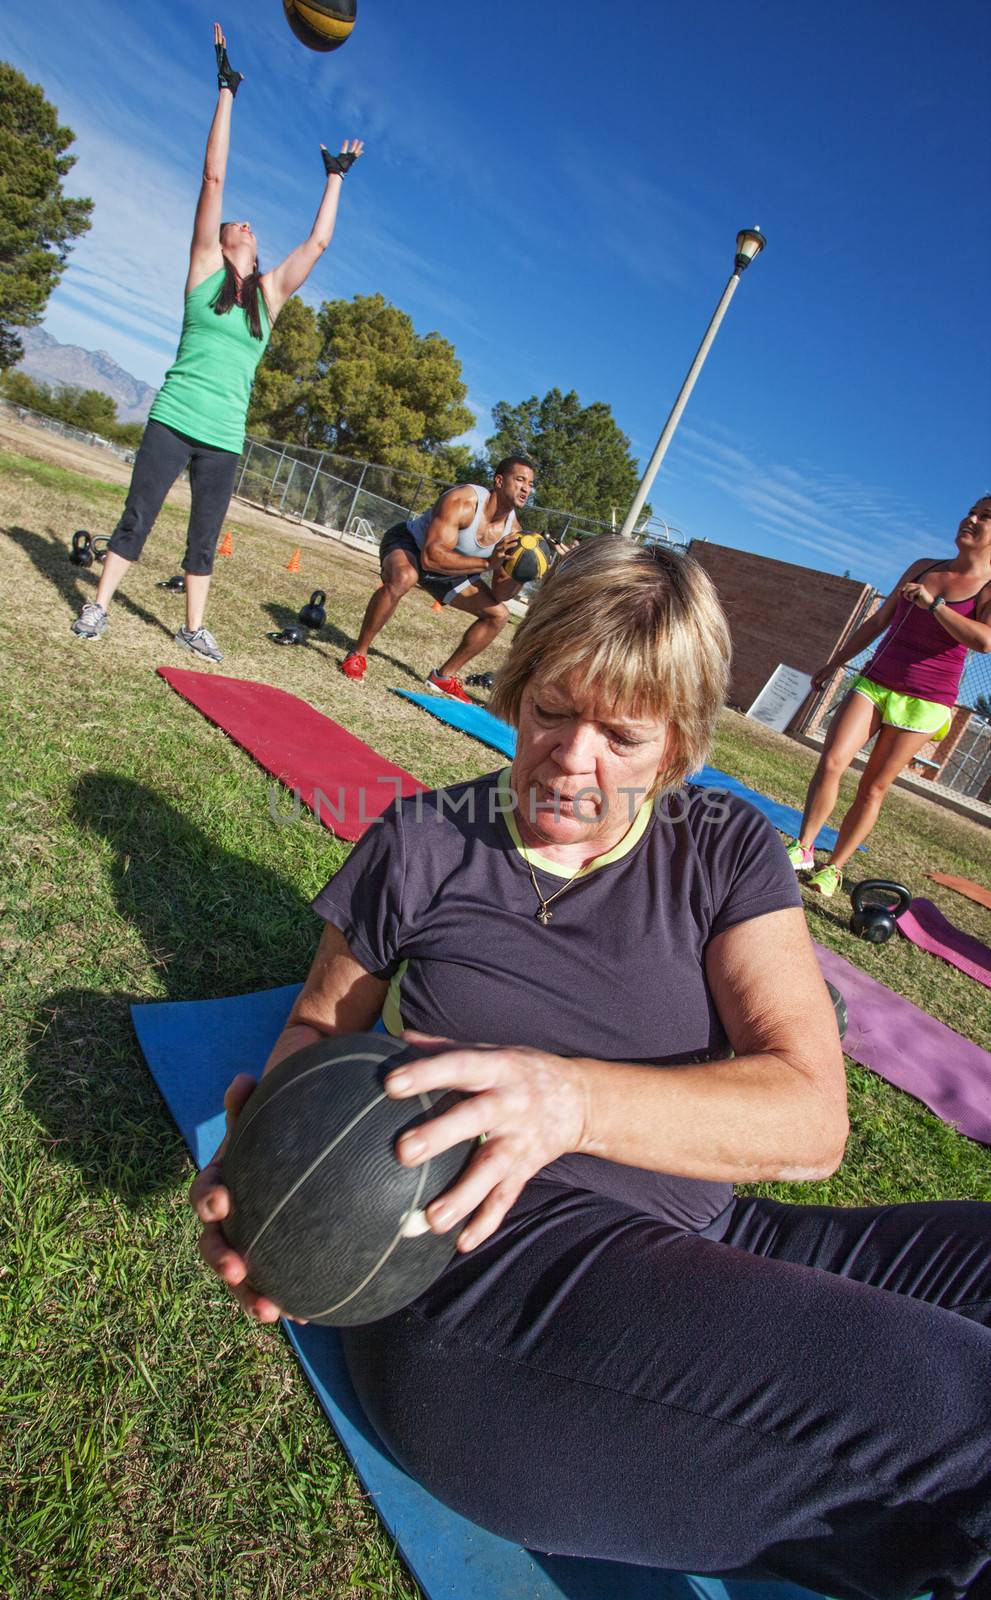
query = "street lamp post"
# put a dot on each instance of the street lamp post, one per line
(749, 244)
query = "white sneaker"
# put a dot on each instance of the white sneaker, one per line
(91, 621)
(200, 641)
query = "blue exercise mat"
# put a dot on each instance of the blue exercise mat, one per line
(473, 719)
(193, 1050)
(482, 725)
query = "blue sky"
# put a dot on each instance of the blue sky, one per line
(557, 189)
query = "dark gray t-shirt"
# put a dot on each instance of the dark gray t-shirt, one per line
(437, 898)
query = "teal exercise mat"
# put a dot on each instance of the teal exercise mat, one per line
(193, 1049)
(482, 725)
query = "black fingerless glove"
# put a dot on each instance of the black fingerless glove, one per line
(227, 78)
(340, 163)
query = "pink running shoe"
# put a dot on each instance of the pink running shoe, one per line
(800, 856)
(353, 666)
(452, 687)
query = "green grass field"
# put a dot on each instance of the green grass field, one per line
(158, 1444)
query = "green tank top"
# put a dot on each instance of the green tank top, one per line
(207, 388)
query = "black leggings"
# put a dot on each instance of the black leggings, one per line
(162, 455)
(800, 1392)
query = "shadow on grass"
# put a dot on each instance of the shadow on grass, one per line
(332, 643)
(819, 910)
(327, 641)
(75, 585)
(212, 923)
(404, 666)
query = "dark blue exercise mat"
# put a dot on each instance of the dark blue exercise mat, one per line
(193, 1050)
(482, 725)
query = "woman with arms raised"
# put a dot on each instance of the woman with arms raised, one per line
(198, 417)
(626, 1359)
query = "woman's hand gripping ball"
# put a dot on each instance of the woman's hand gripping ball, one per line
(528, 1104)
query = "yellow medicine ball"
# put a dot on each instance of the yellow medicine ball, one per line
(529, 559)
(321, 24)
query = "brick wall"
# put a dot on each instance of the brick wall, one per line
(778, 612)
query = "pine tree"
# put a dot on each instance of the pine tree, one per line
(38, 222)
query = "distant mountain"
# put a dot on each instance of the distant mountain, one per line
(50, 362)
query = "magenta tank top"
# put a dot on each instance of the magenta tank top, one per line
(917, 656)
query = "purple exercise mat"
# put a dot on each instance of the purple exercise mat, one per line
(912, 1050)
(927, 927)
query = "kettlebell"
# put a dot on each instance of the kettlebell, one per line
(177, 584)
(839, 1007)
(99, 542)
(81, 554)
(481, 680)
(313, 614)
(875, 921)
(289, 635)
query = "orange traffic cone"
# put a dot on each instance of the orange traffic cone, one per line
(292, 565)
(437, 606)
(226, 546)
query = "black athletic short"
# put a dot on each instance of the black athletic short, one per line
(400, 538)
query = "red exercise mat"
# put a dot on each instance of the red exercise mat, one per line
(973, 891)
(301, 747)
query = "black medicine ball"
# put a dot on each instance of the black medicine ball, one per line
(330, 1223)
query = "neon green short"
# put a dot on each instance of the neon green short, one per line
(904, 710)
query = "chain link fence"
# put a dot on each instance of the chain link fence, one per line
(36, 419)
(355, 498)
(968, 769)
(361, 500)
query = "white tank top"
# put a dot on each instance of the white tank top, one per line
(467, 544)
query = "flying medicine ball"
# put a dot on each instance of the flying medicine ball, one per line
(529, 559)
(321, 24)
(331, 1225)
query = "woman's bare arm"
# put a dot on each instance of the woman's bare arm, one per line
(776, 1109)
(204, 250)
(293, 272)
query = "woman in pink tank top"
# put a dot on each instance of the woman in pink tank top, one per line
(937, 611)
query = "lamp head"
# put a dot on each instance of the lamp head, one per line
(749, 244)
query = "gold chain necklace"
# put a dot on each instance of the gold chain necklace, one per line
(544, 915)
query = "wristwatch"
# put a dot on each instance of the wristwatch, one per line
(939, 601)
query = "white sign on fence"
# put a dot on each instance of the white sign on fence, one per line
(781, 697)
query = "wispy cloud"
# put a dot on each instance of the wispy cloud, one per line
(652, 233)
(845, 523)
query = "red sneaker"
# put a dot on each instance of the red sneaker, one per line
(452, 687)
(353, 666)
